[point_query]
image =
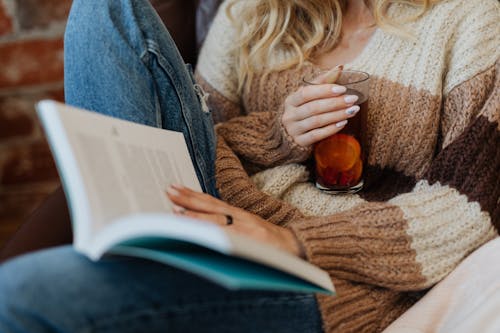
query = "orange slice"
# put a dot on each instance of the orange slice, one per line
(353, 175)
(340, 152)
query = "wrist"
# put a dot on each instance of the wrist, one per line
(295, 245)
(296, 152)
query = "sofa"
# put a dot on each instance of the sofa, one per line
(188, 22)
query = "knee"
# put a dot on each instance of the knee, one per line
(28, 289)
(92, 8)
(101, 23)
(19, 294)
(90, 13)
(99, 12)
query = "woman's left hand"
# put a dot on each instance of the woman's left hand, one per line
(204, 207)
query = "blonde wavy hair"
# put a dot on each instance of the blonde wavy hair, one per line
(302, 28)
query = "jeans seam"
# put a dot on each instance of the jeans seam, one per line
(145, 58)
(153, 48)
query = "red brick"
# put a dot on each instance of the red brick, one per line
(26, 63)
(5, 21)
(41, 13)
(29, 163)
(16, 118)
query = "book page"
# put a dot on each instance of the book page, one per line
(125, 167)
(235, 261)
(115, 174)
(141, 178)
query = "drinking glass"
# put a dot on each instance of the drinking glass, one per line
(339, 158)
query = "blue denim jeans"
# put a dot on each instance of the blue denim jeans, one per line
(121, 61)
(58, 290)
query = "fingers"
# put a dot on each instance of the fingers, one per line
(321, 87)
(321, 120)
(312, 92)
(320, 106)
(319, 134)
(196, 201)
(330, 76)
(214, 218)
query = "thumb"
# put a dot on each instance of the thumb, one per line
(330, 76)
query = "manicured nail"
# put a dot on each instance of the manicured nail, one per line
(178, 209)
(351, 99)
(341, 123)
(172, 191)
(339, 89)
(352, 110)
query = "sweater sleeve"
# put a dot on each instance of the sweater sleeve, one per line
(261, 139)
(258, 138)
(415, 239)
(234, 186)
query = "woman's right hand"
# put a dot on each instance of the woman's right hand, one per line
(314, 112)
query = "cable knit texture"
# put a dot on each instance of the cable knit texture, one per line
(432, 144)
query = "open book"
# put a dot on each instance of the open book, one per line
(115, 174)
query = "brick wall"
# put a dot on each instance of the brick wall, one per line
(31, 68)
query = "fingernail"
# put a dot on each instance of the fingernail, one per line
(339, 89)
(350, 99)
(172, 191)
(177, 186)
(341, 123)
(352, 110)
(178, 209)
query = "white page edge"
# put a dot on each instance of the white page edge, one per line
(71, 179)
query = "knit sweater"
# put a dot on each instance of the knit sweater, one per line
(432, 145)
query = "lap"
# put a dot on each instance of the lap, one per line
(60, 288)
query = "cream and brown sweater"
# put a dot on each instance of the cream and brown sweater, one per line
(432, 182)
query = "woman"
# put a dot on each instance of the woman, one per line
(431, 189)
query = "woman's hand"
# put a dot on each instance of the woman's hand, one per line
(202, 206)
(317, 111)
